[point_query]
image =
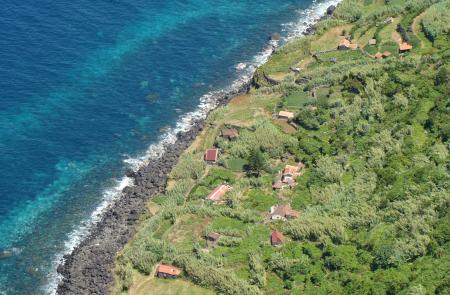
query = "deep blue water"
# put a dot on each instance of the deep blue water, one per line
(86, 84)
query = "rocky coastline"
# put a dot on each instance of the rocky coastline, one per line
(87, 270)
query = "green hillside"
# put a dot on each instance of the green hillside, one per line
(373, 198)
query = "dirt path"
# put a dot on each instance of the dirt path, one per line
(416, 27)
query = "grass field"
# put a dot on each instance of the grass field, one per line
(168, 287)
(237, 164)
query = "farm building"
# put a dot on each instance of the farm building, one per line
(230, 134)
(165, 271)
(404, 47)
(283, 212)
(284, 115)
(276, 238)
(345, 44)
(211, 155)
(217, 195)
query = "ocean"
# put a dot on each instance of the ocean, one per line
(90, 89)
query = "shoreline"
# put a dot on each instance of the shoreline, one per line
(87, 269)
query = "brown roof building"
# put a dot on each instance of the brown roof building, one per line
(211, 155)
(386, 54)
(379, 55)
(345, 44)
(404, 47)
(230, 134)
(277, 238)
(285, 115)
(167, 271)
(283, 212)
(217, 195)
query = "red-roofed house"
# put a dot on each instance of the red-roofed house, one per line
(345, 44)
(404, 47)
(167, 271)
(211, 155)
(217, 195)
(378, 55)
(277, 238)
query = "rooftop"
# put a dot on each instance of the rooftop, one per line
(217, 194)
(168, 269)
(211, 154)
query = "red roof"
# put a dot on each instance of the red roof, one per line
(211, 154)
(217, 194)
(168, 269)
(277, 238)
(405, 46)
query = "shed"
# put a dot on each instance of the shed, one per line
(211, 155)
(216, 196)
(345, 44)
(230, 133)
(386, 54)
(283, 212)
(213, 237)
(404, 47)
(373, 42)
(277, 238)
(167, 271)
(285, 115)
(378, 55)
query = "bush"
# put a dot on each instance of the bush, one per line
(349, 10)
(222, 280)
(188, 166)
(266, 137)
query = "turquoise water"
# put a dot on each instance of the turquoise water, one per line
(88, 85)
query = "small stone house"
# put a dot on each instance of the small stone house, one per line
(230, 134)
(276, 238)
(283, 212)
(211, 156)
(373, 42)
(212, 238)
(217, 195)
(165, 271)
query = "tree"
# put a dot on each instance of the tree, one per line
(256, 162)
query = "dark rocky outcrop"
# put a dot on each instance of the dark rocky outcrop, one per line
(331, 9)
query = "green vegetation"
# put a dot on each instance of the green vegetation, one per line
(373, 197)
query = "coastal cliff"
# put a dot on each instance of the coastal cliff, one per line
(366, 125)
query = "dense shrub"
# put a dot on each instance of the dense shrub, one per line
(436, 21)
(349, 10)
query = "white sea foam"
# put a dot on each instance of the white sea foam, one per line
(207, 103)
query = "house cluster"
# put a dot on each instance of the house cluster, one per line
(287, 177)
(212, 155)
(346, 44)
(283, 212)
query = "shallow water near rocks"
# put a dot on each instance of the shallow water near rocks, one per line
(86, 87)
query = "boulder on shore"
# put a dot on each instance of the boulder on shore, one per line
(275, 37)
(331, 9)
